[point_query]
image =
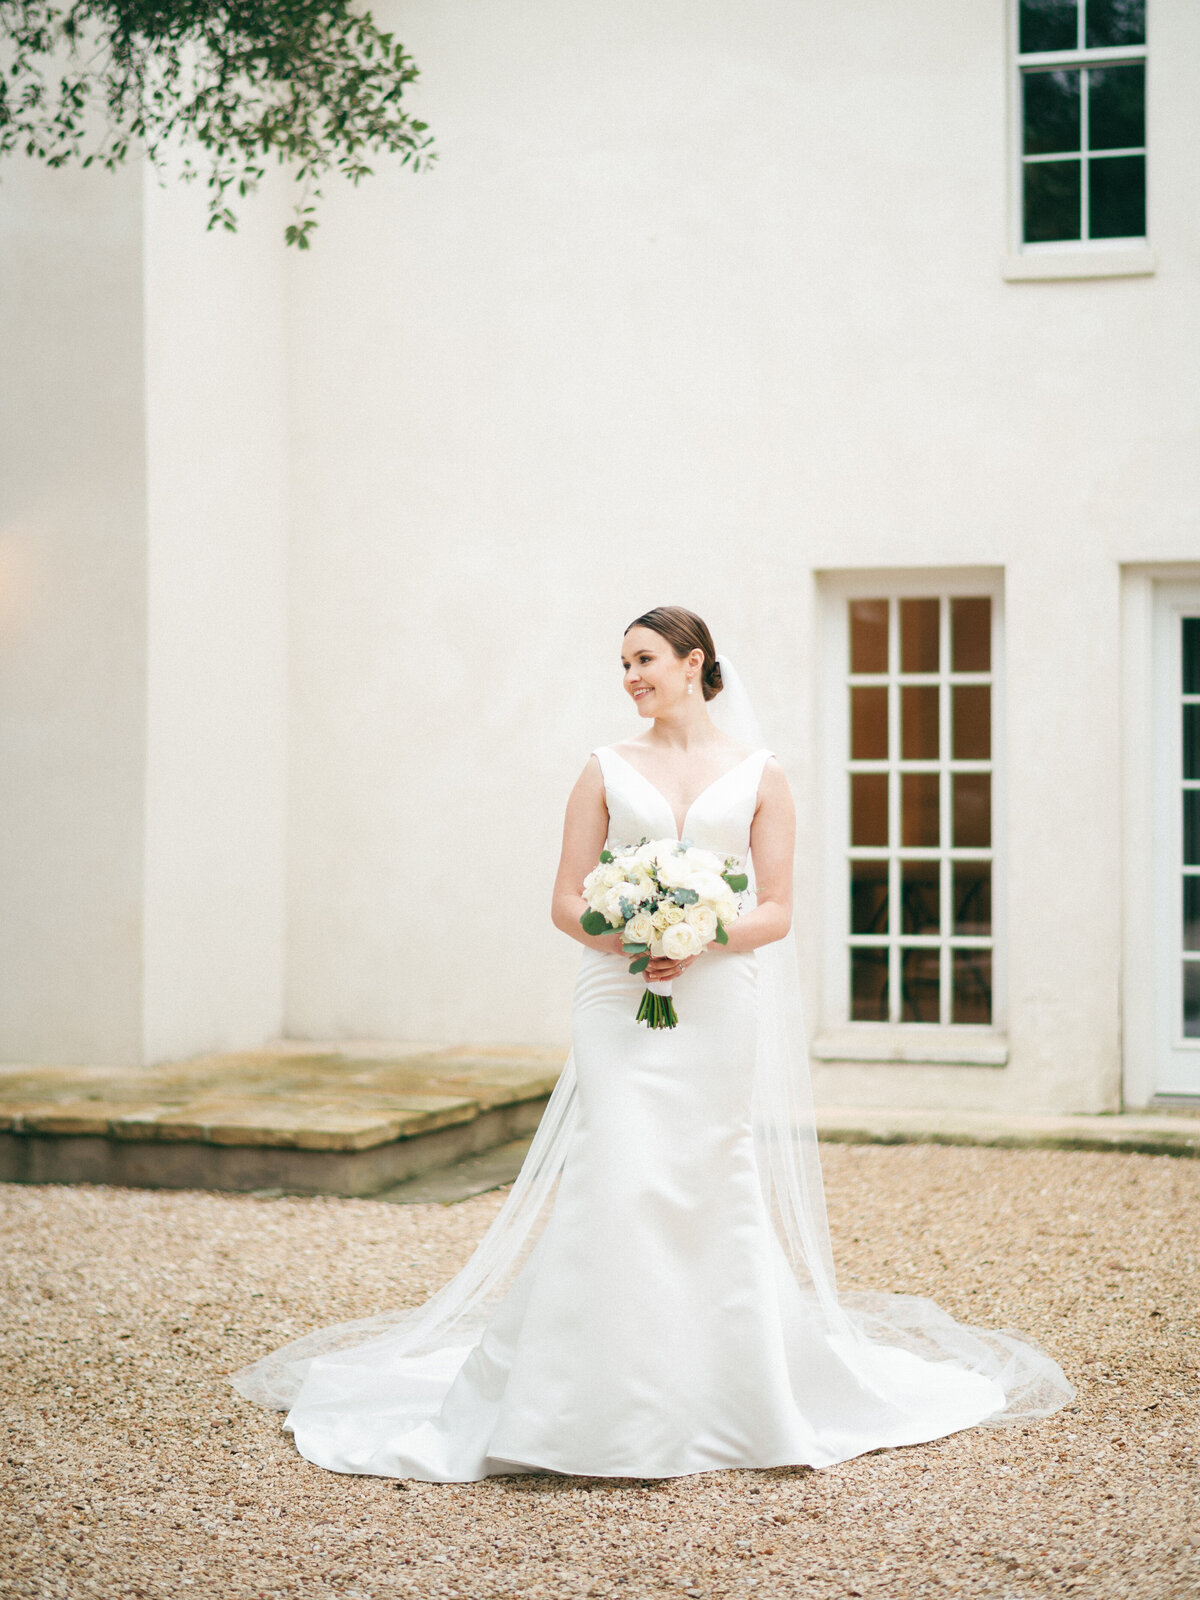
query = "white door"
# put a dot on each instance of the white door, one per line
(1176, 838)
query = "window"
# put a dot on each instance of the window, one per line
(1082, 68)
(918, 857)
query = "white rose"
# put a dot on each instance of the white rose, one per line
(681, 941)
(704, 920)
(602, 878)
(595, 896)
(674, 872)
(639, 929)
(656, 948)
(704, 860)
(710, 886)
(659, 919)
(612, 902)
(672, 914)
(647, 854)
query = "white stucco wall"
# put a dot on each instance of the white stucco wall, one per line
(315, 571)
(142, 621)
(693, 307)
(215, 316)
(72, 615)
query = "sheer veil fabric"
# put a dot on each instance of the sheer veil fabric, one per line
(884, 1342)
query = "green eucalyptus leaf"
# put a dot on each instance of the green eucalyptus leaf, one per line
(595, 922)
(721, 937)
(737, 881)
(640, 964)
(319, 85)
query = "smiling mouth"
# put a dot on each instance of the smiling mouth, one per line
(640, 694)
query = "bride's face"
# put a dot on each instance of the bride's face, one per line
(655, 677)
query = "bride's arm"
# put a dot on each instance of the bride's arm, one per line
(772, 843)
(585, 829)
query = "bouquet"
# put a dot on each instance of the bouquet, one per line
(665, 898)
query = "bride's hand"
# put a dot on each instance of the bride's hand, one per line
(661, 969)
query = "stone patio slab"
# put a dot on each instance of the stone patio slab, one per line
(307, 1118)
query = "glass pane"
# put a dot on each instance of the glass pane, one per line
(971, 634)
(1117, 196)
(919, 722)
(868, 808)
(868, 724)
(920, 986)
(1191, 827)
(1052, 120)
(919, 635)
(1111, 22)
(972, 978)
(868, 897)
(1052, 191)
(1191, 741)
(1191, 999)
(972, 810)
(868, 635)
(1191, 913)
(869, 985)
(971, 715)
(1191, 655)
(1116, 107)
(919, 809)
(973, 898)
(921, 896)
(1048, 25)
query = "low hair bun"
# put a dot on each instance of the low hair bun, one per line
(713, 681)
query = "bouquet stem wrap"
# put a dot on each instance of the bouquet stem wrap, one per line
(657, 1009)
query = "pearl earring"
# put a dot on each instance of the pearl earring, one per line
(689, 686)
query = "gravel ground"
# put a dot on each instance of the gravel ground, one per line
(133, 1470)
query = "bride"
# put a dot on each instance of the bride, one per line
(656, 1296)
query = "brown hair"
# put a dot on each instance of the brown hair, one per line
(684, 631)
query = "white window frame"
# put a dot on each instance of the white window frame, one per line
(838, 1038)
(1154, 597)
(1068, 258)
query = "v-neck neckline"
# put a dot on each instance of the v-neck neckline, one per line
(680, 829)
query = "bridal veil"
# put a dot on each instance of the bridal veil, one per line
(857, 1326)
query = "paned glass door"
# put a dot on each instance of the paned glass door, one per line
(1177, 841)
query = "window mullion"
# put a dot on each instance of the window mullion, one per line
(1085, 140)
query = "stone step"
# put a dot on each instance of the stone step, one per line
(305, 1119)
(404, 1123)
(1173, 1132)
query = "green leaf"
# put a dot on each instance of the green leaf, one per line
(721, 936)
(595, 922)
(737, 881)
(640, 964)
(634, 949)
(606, 856)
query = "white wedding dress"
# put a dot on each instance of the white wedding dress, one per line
(639, 1309)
